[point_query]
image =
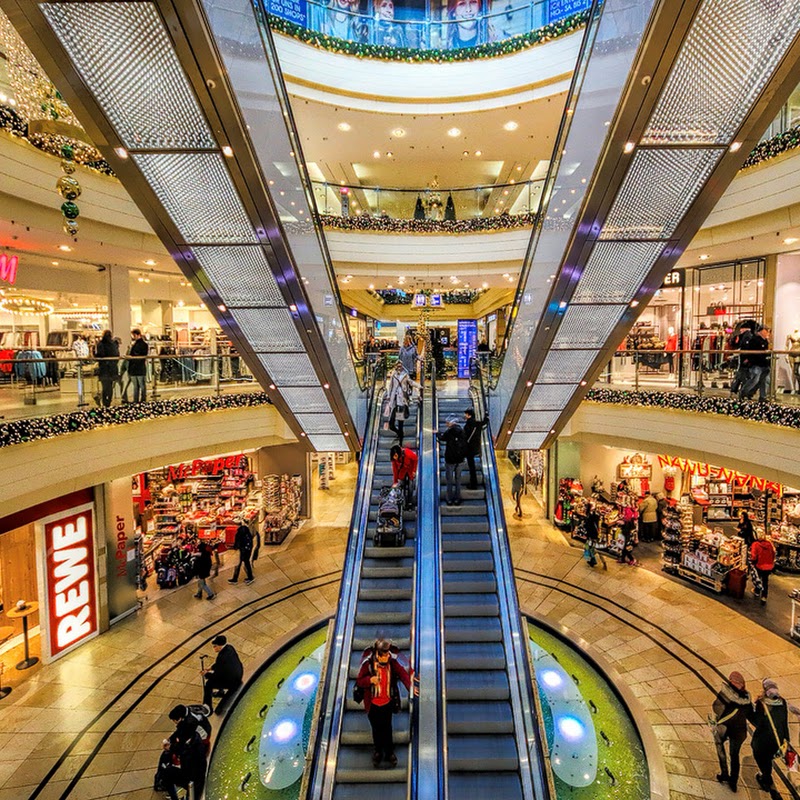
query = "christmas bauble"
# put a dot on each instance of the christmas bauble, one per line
(68, 187)
(70, 227)
(68, 166)
(68, 151)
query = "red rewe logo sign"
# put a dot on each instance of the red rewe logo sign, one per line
(71, 593)
(8, 268)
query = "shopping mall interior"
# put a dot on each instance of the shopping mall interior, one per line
(399, 399)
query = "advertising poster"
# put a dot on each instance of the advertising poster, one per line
(292, 10)
(467, 345)
(120, 548)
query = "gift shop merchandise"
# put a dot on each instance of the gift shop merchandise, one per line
(180, 505)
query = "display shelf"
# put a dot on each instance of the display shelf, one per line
(716, 584)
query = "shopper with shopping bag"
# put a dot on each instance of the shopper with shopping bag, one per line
(770, 717)
(729, 724)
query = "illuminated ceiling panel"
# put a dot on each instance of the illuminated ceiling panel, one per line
(586, 326)
(615, 271)
(318, 423)
(326, 443)
(290, 369)
(549, 397)
(241, 275)
(268, 330)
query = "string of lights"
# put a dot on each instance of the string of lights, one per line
(364, 222)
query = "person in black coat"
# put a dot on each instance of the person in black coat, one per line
(730, 708)
(202, 570)
(454, 450)
(770, 718)
(137, 366)
(244, 544)
(745, 530)
(107, 351)
(227, 672)
(188, 751)
(472, 433)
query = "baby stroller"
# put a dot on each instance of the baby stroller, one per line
(390, 531)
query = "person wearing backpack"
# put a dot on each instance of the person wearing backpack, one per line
(244, 544)
(455, 451)
(377, 679)
(729, 724)
(202, 571)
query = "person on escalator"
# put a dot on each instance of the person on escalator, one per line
(378, 679)
(472, 433)
(398, 395)
(455, 451)
(404, 471)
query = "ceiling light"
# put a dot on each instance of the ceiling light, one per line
(389, 286)
(465, 153)
(583, 383)
(121, 152)
(272, 386)
(326, 386)
(390, 154)
(222, 307)
(376, 154)
(704, 257)
(485, 285)
(293, 308)
(65, 248)
(629, 147)
(54, 263)
(735, 146)
(634, 303)
(505, 274)
(790, 240)
(150, 262)
(343, 126)
(398, 133)
(529, 383)
(478, 153)
(180, 303)
(511, 125)
(372, 286)
(454, 132)
(227, 151)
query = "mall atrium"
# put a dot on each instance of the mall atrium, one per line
(399, 399)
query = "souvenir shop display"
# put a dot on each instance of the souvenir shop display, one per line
(281, 498)
(786, 535)
(708, 555)
(672, 537)
(568, 490)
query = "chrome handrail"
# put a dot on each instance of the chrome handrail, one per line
(326, 748)
(429, 773)
(527, 726)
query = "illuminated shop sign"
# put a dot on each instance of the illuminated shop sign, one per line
(673, 279)
(719, 473)
(8, 268)
(199, 466)
(420, 300)
(71, 593)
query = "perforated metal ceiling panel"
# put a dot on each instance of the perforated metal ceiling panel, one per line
(241, 275)
(526, 441)
(124, 55)
(290, 370)
(268, 330)
(659, 187)
(586, 326)
(310, 400)
(714, 83)
(537, 421)
(546, 398)
(615, 271)
(318, 423)
(566, 366)
(326, 443)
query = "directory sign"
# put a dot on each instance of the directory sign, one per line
(467, 345)
(292, 10)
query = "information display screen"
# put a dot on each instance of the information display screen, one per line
(467, 345)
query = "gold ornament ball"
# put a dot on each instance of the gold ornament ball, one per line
(71, 227)
(67, 166)
(68, 187)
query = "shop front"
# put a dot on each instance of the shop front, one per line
(50, 579)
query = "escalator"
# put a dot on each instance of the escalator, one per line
(383, 608)
(492, 746)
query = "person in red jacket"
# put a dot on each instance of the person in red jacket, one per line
(378, 678)
(404, 470)
(762, 557)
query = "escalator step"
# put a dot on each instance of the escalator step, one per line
(471, 605)
(408, 516)
(475, 655)
(505, 785)
(477, 685)
(365, 635)
(468, 508)
(466, 494)
(486, 717)
(496, 753)
(460, 582)
(351, 705)
(354, 765)
(465, 542)
(465, 525)
(383, 611)
(385, 588)
(473, 629)
(356, 729)
(389, 553)
(386, 567)
(366, 791)
(467, 561)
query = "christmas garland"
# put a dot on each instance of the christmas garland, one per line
(781, 143)
(364, 222)
(30, 430)
(437, 56)
(398, 297)
(773, 413)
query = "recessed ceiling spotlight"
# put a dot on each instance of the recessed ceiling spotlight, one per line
(583, 383)
(478, 153)
(735, 146)
(54, 263)
(150, 262)
(465, 153)
(634, 303)
(272, 386)
(505, 275)
(390, 154)
(222, 307)
(398, 133)
(454, 132)
(511, 125)
(704, 257)
(343, 126)
(376, 154)
(372, 286)
(227, 151)
(121, 152)
(629, 147)
(790, 240)
(65, 248)
(485, 285)
(389, 286)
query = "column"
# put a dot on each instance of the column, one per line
(118, 289)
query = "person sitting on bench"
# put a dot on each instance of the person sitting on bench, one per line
(226, 674)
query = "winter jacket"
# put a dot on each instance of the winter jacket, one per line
(407, 468)
(408, 358)
(472, 432)
(364, 679)
(399, 389)
(760, 359)
(731, 708)
(107, 348)
(450, 438)
(243, 542)
(137, 364)
(762, 554)
(764, 740)
(202, 564)
(228, 669)
(648, 509)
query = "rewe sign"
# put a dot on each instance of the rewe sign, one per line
(71, 593)
(8, 268)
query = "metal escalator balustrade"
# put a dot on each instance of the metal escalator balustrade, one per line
(492, 750)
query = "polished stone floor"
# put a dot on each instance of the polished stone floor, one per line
(90, 725)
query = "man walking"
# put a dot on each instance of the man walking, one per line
(244, 544)
(758, 366)
(517, 487)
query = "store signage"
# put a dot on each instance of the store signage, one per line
(420, 300)
(8, 268)
(559, 9)
(674, 279)
(436, 300)
(467, 345)
(199, 466)
(295, 11)
(70, 574)
(120, 547)
(719, 473)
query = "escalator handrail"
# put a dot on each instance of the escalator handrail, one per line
(533, 766)
(429, 754)
(336, 684)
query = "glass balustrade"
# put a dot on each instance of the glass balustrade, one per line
(40, 387)
(519, 199)
(455, 25)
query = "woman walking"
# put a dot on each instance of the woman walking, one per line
(770, 717)
(398, 394)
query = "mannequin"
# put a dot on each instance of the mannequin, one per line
(793, 346)
(671, 346)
